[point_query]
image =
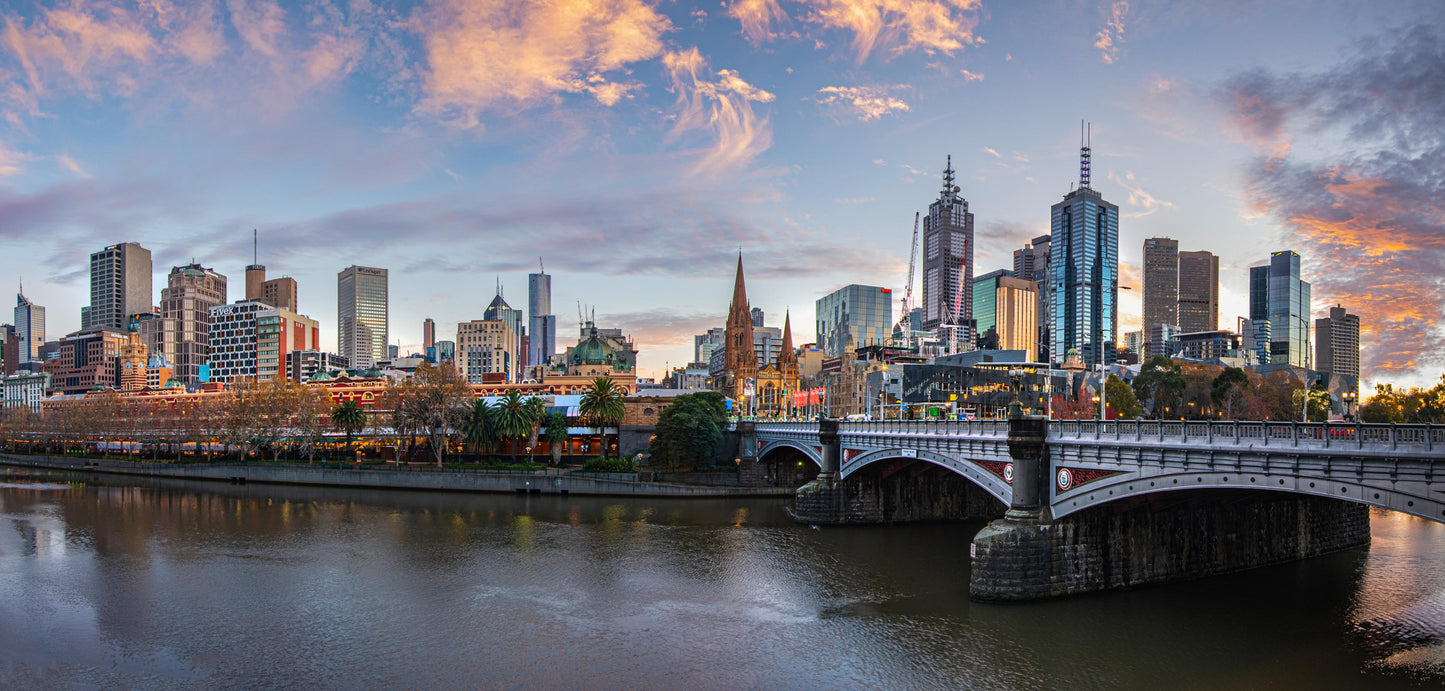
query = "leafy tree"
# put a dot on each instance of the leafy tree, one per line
(1121, 398)
(1228, 390)
(688, 431)
(350, 418)
(1159, 385)
(601, 405)
(513, 415)
(556, 435)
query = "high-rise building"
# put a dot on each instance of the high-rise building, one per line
(757, 314)
(1277, 294)
(541, 323)
(446, 351)
(120, 286)
(1032, 263)
(428, 337)
(985, 292)
(362, 315)
(703, 345)
(1015, 313)
(948, 265)
(277, 292)
(29, 328)
(499, 309)
(852, 317)
(253, 339)
(82, 361)
(487, 351)
(182, 334)
(1198, 292)
(1337, 343)
(1084, 270)
(1161, 289)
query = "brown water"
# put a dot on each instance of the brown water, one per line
(208, 585)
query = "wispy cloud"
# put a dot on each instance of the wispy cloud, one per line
(11, 162)
(991, 152)
(894, 26)
(71, 165)
(757, 17)
(1368, 214)
(1109, 39)
(719, 104)
(864, 102)
(485, 53)
(1140, 199)
(855, 200)
(971, 76)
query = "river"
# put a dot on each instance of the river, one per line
(172, 583)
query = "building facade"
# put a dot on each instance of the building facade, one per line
(120, 286)
(83, 361)
(948, 265)
(29, 330)
(852, 317)
(429, 339)
(1198, 292)
(541, 323)
(252, 339)
(1337, 343)
(182, 334)
(303, 365)
(1032, 263)
(25, 390)
(487, 351)
(362, 301)
(1084, 271)
(1161, 289)
(985, 293)
(1276, 293)
(1016, 309)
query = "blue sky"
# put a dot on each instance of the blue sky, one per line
(636, 146)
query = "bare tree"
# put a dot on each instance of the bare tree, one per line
(239, 415)
(313, 408)
(436, 404)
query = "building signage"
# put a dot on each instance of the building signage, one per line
(910, 453)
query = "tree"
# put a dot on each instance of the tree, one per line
(556, 435)
(1159, 385)
(602, 406)
(240, 413)
(514, 416)
(438, 405)
(480, 429)
(1080, 407)
(688, 431)
(350, 418)
(281, 400)
(537, 410)
(1121, 398)
(1318, 408)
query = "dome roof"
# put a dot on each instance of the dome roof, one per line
(592, 352)
(321, 375)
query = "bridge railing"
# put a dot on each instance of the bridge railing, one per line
(1313, 435)
(905, 428)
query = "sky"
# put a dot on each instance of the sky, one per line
(635, 147)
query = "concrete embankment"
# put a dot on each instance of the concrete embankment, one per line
(541, 482)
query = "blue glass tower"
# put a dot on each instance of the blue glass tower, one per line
(1084, 263)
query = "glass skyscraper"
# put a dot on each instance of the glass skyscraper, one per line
(1084, 267)
(1277, 294)
(361, 310)
(948, 264)
(854, 316)
(541, 323)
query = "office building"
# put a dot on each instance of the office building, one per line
(24, 390)
(29, 330)
(253, 339)
(1198, 292)
(851, 317)
(1337, 343)
(429, 339)
(1161, 340)
(985, 291)
(1134, 342)
(182, 333)
(1207, 345)
(703, 345)
(1015, 315)
(541, 323)
(1276, 293)
(499, 309)
(1161, 289)
(277, 292)
(948, 265)
(446, 351)
(302, 365)
(1084, 270)
(120, 286)
(362, 315)
(1256, 340)
(487, 351)
(82, 361)
(1032, 263)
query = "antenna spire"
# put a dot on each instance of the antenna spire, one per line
(949, 190)
(1085, 135)
(540, 266)
(255, 247)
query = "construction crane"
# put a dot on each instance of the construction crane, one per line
(904, 326)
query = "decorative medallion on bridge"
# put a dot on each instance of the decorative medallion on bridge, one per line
(761, 444)
(848, 455)
(1069, 478)
(1005, 471)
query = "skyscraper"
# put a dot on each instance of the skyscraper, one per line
(186, 301)
(429, 339)
(361, 310)
(1198, 292)
(541, 323)
(1161, 289)
(1032, 263)
(852, 317)
(948, 264)
(1337, 344)
(29, 328)
(277, 292)
(1084, 269)
(1277, 294)
(985, 292)
(120, 286)
(499, 309)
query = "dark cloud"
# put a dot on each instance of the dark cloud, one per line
(1368, 217)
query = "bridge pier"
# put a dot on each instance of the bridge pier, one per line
(1153, 538)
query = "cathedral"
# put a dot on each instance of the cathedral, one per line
(762, 391)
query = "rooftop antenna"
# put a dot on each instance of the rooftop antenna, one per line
(1085, 135)
(949, 189)
(541, 267)
(255, 248)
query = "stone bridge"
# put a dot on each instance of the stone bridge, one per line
(1210, 497)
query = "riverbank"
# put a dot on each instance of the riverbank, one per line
(438, 479)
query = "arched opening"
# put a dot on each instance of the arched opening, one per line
(781, 466)
(902, 490)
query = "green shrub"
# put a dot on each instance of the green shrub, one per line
(611, 465)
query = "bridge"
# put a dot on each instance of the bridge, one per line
(1226, 493)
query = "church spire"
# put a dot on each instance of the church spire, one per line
(787, 355)
(740, 291)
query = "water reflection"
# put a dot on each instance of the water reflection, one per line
(142, 584)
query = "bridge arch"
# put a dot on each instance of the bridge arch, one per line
(1133, 484)
(969, 470)
(809, 451)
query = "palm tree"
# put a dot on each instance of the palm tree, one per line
(556, 435)
(480, 429)
(538, 411)
(513, 418)
(350, 417)
(602, 406)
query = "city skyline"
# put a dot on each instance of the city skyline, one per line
(667, 138)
